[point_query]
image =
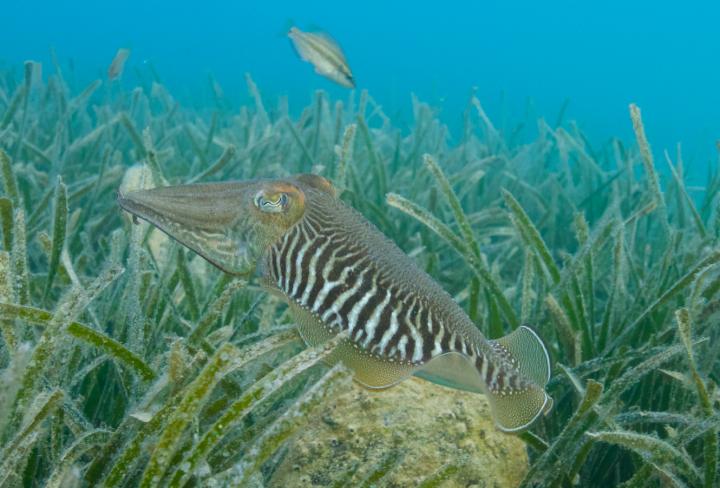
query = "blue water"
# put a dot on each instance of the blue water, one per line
(523, 56)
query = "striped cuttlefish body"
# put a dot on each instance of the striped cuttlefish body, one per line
(340, 274)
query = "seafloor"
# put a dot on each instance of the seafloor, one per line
(126, 360)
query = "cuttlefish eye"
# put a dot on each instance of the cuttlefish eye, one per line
(272, 203)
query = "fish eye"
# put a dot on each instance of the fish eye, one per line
(271, 203)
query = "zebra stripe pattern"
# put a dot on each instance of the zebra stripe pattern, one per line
(322, 271)
(317, 266)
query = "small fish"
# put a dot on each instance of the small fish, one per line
(341, 275)
(118, 63)
(324, 53)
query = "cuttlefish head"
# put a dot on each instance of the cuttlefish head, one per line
(231, 224)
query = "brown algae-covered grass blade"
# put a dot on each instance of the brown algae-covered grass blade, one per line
(214, 312)
(318, 122)
(376, 161)
(90, 138)
(12, 109)
(633, 375)
(118, 63)
(227, 155)
(281, 430)
(689, 201)
(78, 103)
(682, 283)
(9, 180)
(566, 335)
(45, 405)
(132, 451)
(684, 322)
(83, 444)
(493, 133)
(151, 158)
(58, 235)
(423, 216)
(528, 277)
(541, 473)
(82, 332)
(33, 73)
(476, 264)
(649, 165)
(11, 468)
(6, 222)
(306, 153)
(472, 251)
(582, 230)
(442, 475)
(454, 202)
(257, 98)
(530, 235)
(193, 136)
(196, 394)
(133, 133)
(653, 450)
(72, 304)
(7, 327)
(256, 393)
(113, 348)
(187, 283)
(345, 157)
(20, 258)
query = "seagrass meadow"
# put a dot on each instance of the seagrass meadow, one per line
(126, 362)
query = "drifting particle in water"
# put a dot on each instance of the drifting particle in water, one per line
(118, 63)
(324, 53)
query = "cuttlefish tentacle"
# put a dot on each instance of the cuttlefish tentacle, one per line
(339, 273)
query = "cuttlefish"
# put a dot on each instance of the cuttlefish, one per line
(340, 274)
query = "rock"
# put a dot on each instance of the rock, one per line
(137, 177)
(417, 427)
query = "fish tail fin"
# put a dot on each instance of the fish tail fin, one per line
(516, 406)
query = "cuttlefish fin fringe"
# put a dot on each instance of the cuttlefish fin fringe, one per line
(516, 410)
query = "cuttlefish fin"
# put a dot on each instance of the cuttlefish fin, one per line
(517, 409)
(312, 330)
(369, 370)
(513, 409)
(452, 369)
(527, 352)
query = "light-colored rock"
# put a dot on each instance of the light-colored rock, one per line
(136, 177)
(427, 425)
